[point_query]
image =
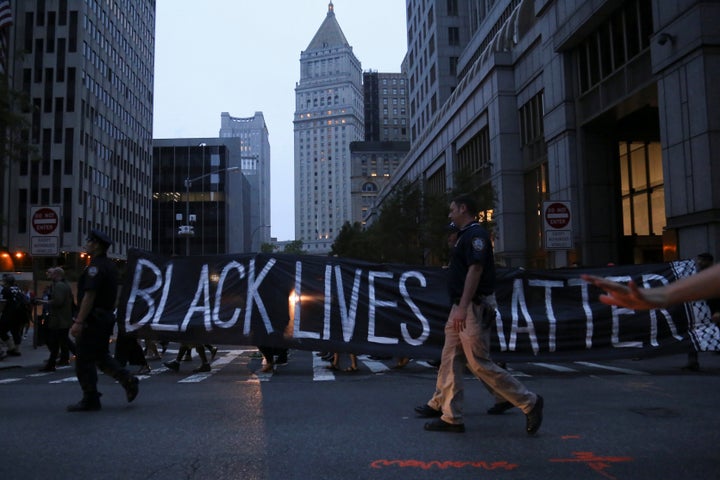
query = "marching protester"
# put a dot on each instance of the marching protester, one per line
(58, 318)
(471, 285)
(185, 349)
(14, 314)
(97, 295)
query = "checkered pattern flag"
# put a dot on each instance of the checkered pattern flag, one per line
(704, 334)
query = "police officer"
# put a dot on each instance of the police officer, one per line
(471, 288)
(97, 293)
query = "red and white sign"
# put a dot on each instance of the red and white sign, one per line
(557, 218)
(45, 220)
(557, 215)
(45, 235)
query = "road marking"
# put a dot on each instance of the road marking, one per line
(66, 380)
(627, 371)
(557, 368)
(375, 366)
(320, 370)
(10, 380)
(216, 366)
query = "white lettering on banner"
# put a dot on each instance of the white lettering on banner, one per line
(203, 290)
(145, 294)
(414, 308)
(574, 282)
(548, 285)
(653, 313)
(374, 303)
(518, 297)
(347, 317)
(151, 287)
(218, 296)
(616, 312)
(297, 306)
(253, 285)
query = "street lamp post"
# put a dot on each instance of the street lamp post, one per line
(252, 236)
(187, 230)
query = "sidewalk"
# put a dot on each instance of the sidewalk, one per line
(31, 357)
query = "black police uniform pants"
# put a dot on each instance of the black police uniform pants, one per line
(92, 350)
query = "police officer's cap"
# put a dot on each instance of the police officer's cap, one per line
(100, 237)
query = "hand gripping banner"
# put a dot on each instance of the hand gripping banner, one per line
(341, 305)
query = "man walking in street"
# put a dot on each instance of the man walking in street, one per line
(97, 294)
(471, 285)
(59, 318)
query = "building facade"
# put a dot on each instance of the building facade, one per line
(253, 155)
(328, 116)
(437, 33)
(201, 198)
(385, 98)
(87, 69)
(608, 107)
(386, 139)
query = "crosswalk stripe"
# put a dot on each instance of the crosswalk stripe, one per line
(375, 366)
(556, 368)
(216, 365)
(320, 371)
(627, 371)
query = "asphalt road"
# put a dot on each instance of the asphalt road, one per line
(604, 420)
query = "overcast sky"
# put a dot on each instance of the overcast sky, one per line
(242, 56)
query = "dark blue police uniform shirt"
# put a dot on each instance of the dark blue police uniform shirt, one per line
(100, 276)
(473, 246)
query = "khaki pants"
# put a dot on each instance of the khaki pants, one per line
(472, 346)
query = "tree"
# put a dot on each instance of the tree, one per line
(267, 247)
(294, 247)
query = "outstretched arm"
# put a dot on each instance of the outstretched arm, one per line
(703, 285)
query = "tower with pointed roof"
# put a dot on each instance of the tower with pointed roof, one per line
(328, 116)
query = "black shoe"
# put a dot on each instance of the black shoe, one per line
(132, 388)
(426, 411)
(535, 417)
(174, 365)
(205, 367)
(213, 352)
(441, 426)
(499, 408)
(85, 405)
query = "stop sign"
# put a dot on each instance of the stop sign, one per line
(557, 215)
(44, 221)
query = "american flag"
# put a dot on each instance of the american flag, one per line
(5, 13)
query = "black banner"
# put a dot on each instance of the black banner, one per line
(341, 305)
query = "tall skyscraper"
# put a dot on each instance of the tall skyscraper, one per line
(87, 69)
(328, 116)
(253, 155)
(438, 32)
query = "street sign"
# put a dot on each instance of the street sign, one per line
(45, 234)
(557, 221)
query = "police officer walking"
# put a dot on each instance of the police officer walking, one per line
(97, 293)
(471, 287)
